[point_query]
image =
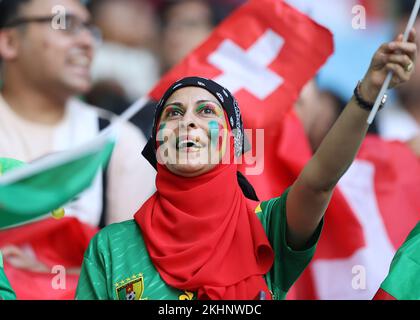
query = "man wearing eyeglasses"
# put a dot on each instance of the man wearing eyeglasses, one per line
(46, 50)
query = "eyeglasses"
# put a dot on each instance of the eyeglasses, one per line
(69, 24)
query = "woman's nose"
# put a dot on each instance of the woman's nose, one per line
(189, 121)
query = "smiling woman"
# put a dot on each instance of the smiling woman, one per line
(192, 121)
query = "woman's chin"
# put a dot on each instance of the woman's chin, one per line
(190, 169)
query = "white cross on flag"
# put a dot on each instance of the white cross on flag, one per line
(263, 53)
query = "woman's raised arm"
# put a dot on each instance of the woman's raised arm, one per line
(310, 195)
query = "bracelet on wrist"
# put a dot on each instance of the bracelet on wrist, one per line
(362, 103)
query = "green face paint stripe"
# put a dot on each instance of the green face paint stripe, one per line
(214, 132)
(201, 107)
(160, 138)
(216, 110)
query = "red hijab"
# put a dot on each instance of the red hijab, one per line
(203, 235)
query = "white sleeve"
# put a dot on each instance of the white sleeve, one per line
(131, 179)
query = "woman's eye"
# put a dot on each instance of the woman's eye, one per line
(173, 113)
(208, 110)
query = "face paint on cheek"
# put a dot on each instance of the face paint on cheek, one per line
(214, 129)
(219, 113)
(218, 137)
(160, 137)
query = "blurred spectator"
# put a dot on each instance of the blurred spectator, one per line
(131, 23)
(317, 110)
(43, 68)
(125, 67)
(185, 25)
(401, 120)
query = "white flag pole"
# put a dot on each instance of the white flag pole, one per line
(127, 114)
(388, 79)
(63, 157)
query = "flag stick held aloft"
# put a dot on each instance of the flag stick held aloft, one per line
(388, 78)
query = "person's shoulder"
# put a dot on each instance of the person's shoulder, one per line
(77, 105)
(129, 227)
(128, 131)
(270, 204)
(116, 232)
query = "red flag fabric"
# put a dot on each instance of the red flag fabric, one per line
(383, 295)
(264, 53)
(59, 245)
(371, 212)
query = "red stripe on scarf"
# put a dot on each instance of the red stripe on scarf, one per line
(383, 295)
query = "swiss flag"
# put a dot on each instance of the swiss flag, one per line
(264, 53)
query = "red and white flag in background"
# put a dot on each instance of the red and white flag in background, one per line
(264, 54)
(374, 207)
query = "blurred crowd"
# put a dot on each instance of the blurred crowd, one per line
(152, 37)
(131, 60)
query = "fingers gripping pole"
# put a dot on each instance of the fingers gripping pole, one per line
(388, 79)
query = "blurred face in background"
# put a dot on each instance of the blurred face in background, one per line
(410, 91)
(50, 58)
(187, 24)
(137, 28)
(317, 110)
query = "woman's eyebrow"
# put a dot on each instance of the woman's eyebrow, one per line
(205, 101)
(175, 104)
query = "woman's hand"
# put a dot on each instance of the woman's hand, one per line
(20, 259)
(398, 57)
(26, 260)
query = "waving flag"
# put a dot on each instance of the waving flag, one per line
(28, 193)
(264, 53)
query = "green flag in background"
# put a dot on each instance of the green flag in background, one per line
(403, 280)
(29, 192)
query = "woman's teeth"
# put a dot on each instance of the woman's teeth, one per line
(188, 144)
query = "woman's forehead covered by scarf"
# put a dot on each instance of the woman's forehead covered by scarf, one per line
(225, 98)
